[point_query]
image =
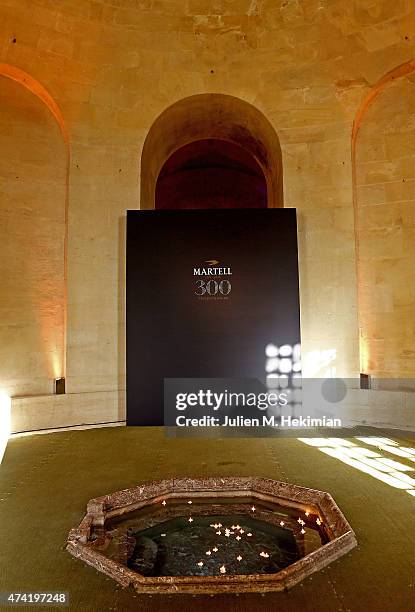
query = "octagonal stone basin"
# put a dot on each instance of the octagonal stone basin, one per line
(211, 535)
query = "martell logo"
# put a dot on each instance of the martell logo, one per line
(212, 288)
(212, 270)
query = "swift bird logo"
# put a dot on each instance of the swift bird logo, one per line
(212, 262)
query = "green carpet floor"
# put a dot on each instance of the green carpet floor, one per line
(46, 481)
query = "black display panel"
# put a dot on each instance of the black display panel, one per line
(207, 291)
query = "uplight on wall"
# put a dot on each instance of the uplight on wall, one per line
(5, 422)
(365, 382)
(59, 386)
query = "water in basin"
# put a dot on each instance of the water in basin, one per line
(213, 537)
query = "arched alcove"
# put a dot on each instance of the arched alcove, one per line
(215, 117)
(383, 155)
(211, 173)
(33, 212)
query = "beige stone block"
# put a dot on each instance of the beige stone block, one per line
(377, 172)
(386, 60)
(316, 133)
(374, 242)
(407, 213)
(400, 144)
(371, 149)
(330, 152)
(284, 99)
(371, 194)
(79, 27)
(379, 216)
(400, 190)
(381, 36)
(58, 43)
(316, 219)
(322, 244)
(304, 117)
(16, 32)
(343, 219)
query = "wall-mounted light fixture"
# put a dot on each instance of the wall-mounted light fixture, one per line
(59, 386)
(365, 382)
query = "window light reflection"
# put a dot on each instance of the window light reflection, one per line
(371, 462)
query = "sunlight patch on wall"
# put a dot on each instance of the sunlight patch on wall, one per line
(320, 364)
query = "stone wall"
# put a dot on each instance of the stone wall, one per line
(113, 66)
(385, 152)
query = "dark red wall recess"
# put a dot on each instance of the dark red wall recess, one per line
(212, 174)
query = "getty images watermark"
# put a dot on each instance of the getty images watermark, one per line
(219, 401)
(246, 404)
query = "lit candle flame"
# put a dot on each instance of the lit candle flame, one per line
(249, 534)
(190, 519)
(163, 502)
(239, 558)
(253, 508)
(208, 552)
(200, 563)
(264, 554)
(303, 531)
(222, 569)
(215, 549)
(282, 523)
